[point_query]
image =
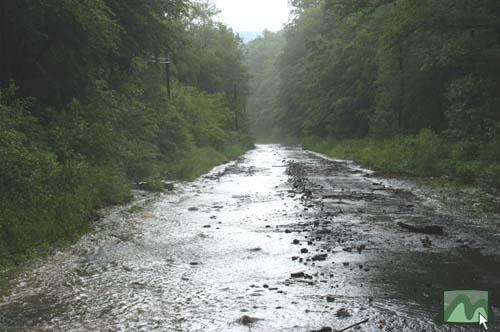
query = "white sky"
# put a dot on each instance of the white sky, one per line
(253, 15)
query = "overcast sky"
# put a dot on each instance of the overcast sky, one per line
(253, 15)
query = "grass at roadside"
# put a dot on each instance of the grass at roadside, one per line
(423, 155)
(203, 159)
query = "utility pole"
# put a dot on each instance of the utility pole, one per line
(402, 90)
(235, 105)
(167, 76)
(166, 61)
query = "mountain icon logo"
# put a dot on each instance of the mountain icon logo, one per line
(465, 307)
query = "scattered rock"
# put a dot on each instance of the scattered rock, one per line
(247, 320)
(343, 313)
(296, 242)
(298, 275)
(138, 284)
(426, 242)
(320, 257)
(207, 226)
(330, 298)
(304, 251)
(127, 268)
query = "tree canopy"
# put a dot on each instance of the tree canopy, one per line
(390, 67)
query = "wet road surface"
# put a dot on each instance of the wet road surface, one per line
(215, 253)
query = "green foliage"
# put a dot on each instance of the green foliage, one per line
(474, 104)
(386, 68)
(45, 200)
(213, 61)
(327, 73)
(423, 155)
(91, 117)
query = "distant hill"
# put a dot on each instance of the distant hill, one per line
(248, 36)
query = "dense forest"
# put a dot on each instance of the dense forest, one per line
(408, 86)
(101, 96)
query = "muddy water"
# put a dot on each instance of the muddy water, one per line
(203, 256)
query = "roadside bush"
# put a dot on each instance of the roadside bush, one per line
(489, 152)
(426, 155)
(490, 176)
(428, 151)
(110, 185)
(466, 173)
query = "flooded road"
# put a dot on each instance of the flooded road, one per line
(281, 240)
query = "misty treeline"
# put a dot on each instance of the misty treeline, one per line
(85, 112)
(406, 85)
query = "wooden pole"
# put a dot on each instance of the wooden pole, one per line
(402, 92)
(167, 69)
(235, 105)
